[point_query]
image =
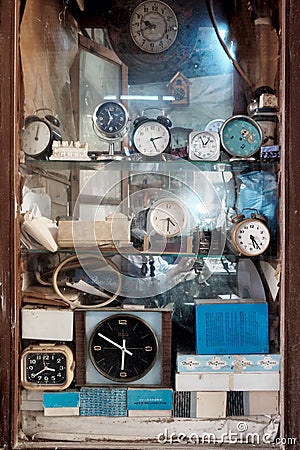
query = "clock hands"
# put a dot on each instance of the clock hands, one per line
(152, 139)
(109, 116)
(168, 222)
(149, 25)
(254, 242)
(50, 369)
(204, 143)
(123, 354)
(36, 138)
(121, 347)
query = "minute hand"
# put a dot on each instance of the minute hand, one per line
(115, 344)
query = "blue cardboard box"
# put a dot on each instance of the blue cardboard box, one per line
(103, 402)
(231, 327)
(61, 403)
(154, 399)
(61, 399)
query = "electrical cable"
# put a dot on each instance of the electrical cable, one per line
(77, 303)
(236, 65)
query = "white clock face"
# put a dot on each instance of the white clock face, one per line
(214, 125)
(153, 26)
(251, 237)
(151, 138)
(168, 217)
(204, 145)
(36, 138)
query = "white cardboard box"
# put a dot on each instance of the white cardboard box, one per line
(211, 404)
(259, 381)
(149, 413)
(53, 324)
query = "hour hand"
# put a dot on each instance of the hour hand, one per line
(254, 242)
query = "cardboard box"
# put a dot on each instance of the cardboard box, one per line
(231, 327)
(114, 230)
(211, 404)
(61, 403)
(154, 399)
(32, 400)
(103, 402)
(207, 381)
(185, 404)
(51, 324)
(252, 403)
(228, 363)
(149, 413)
(259, 403)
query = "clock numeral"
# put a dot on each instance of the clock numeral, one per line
(122, 322)
(148, 348)
(97, 348)
(123, 374)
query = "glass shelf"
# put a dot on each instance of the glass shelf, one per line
(153, 166)
(124, 252)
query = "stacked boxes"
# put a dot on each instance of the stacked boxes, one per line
(231, 371)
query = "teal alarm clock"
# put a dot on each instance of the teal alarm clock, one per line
(241, 136)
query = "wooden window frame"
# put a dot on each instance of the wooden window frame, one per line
(10, 126)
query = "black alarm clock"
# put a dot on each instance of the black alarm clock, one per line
(39, 134)
(150, 136)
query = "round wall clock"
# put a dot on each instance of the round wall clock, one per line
(153, 38)
(123, 347)
(153, 26)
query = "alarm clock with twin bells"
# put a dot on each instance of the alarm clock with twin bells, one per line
(250, 236)
(151, 136)
(39, 134)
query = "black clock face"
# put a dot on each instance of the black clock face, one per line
(45, 368)
(123, 348)
(110, 117)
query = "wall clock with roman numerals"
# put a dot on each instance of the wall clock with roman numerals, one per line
(123, 347)
(152, 37)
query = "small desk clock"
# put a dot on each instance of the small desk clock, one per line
(241, 136)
